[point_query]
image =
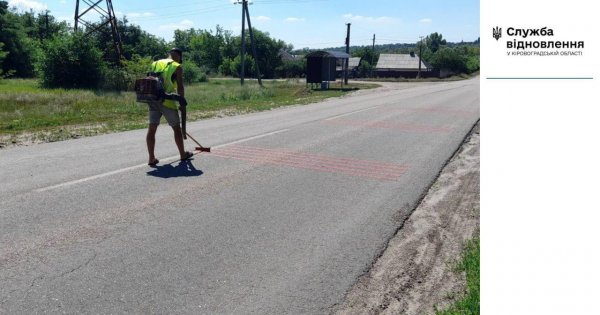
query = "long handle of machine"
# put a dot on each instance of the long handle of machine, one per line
(183, 120)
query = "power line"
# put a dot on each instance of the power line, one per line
(187, 13)
(179, 6)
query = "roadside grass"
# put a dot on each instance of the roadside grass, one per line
(29, 113)
(468, 304)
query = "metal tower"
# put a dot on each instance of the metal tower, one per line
(108, 16)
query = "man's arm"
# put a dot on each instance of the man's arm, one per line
(179, 78)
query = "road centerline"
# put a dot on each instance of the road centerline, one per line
(168, 159)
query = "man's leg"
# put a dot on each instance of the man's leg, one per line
(179, 142)
(150, 142)
(154, 116)
(172, 116)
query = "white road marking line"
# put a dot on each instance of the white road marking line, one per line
(350, 113)
(251, 138)
(172, 158)
(89, 178)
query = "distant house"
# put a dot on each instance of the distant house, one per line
(353, 64)
(287, 57)
(401, 65)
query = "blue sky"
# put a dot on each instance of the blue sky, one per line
(303, 23)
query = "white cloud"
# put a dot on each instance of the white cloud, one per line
(425, 20)
(371, 19)
(295, 19)
(262, 18)
(138, 15)
(28, 4)
(63, 1)
(183, 25)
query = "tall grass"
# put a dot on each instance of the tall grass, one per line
(26, 110)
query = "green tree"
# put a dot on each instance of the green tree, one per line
(135, 41)
(22, 50)
(205, 49)
(3, 55)
(45, 26)
(139, 42)
(225, 67)
(192, 73)
(450, 58)
(434, 42)
(230, 47)
(72, 61)
(183, 38)
(235, 66)
(365, 69)
(267, 51)
(366, 54)
(291, 69)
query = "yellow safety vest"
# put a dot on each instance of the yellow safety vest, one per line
(167, 68)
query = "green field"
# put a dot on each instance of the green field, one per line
(29, 113)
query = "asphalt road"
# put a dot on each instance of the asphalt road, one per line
(292, 206)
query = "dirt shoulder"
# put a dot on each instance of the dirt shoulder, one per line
(415, 272)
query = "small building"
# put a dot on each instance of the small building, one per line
(287, 57)
(401, 65)
(321, 66)
(353, 63)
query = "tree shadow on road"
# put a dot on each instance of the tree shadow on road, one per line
(182, 169)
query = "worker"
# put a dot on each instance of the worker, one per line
(172, 74)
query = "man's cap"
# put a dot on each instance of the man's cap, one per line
(177, 50)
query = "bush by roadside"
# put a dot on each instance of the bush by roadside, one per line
(71, 61)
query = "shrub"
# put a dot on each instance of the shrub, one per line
(472, 64)
(449, 58)
(117, 79)
(3, 55)
(138, 66)
(365, 69)
(191, 72)
(225, 67)
(249, 66)
(71, 61)
(291, 69)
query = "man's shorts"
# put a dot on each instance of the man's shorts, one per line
(157, 110)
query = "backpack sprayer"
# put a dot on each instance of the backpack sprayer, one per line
(151, 89)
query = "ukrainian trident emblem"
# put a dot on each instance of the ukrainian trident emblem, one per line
(497, 32)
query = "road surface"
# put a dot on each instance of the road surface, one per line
(285, 214)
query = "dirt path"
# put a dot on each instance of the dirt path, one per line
(414, 274)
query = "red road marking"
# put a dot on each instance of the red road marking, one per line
(434, 110)
(315, 162)
(387, 125)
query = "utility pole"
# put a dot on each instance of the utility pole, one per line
(373, 56)
(243, 51)
(348, 52)
(46, 30)
(246, 14)
(108, 14)
(420, 51)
